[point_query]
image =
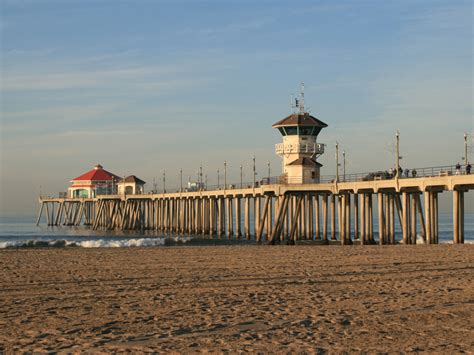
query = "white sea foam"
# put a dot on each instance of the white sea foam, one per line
(451, 242)
(104, 243)
(93, 243)
(419, 239)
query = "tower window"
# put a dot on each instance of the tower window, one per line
(291, 131)
(306, 130)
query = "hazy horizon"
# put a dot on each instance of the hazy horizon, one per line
(142, 87)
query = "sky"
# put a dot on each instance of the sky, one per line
(143, 87)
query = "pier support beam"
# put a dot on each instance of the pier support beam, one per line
(356, 216)
(261, 225)
(309, 223)
(405, 205)
(461, 217)
(456, 217)
(269, 219)
(370, 219)
(316, 218)
(256, 214)
(237, 217)
(341, 218)
(364, 219)
(325, 216)
(230, 219)
(434, 216)
(347, 232)
(333, 217)
(429, 237)
(381, 219)
(413, 218)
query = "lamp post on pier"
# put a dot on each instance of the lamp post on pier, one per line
(344, 165)
(181, 180)
(254, 172)
(240, 176)
(268, 165)
(218, 179)
(465, 149)
(200, 176)
(164, 181)
(337, 162)
(397, 135)
(225, 174)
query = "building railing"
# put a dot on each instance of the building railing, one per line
(310, 148)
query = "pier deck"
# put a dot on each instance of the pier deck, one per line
(279, 212)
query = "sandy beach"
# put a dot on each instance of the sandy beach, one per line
(238, 298)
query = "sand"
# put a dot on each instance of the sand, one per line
(239, 298)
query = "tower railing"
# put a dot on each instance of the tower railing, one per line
(310, 148)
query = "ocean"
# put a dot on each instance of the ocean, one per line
(23, 232)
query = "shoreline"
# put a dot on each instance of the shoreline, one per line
(172, 241)
(238, 298)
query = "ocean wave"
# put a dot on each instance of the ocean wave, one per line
(94, 243)
(451, 242)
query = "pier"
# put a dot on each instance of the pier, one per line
(300, 204)
(280, 212)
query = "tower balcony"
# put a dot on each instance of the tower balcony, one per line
(310, 148)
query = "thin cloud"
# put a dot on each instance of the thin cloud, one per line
(232, 28)
(81, 79)
(28, 53)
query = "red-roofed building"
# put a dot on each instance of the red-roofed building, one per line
(97, 181)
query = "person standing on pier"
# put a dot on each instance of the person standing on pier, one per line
(468, 169)
(390, 173)
(413, 172)
(458, 169)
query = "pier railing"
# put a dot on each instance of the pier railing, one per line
(446, 170)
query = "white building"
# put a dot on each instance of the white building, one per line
(131, 185)
(300, 148)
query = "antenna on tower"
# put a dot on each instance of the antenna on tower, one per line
(296, 103)
(301, 103)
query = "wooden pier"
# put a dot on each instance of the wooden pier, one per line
(279, 213)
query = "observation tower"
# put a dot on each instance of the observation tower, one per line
(300, 148)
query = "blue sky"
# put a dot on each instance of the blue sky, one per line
(141, 86)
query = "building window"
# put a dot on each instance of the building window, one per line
(81, 193)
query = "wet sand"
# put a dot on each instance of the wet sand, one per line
(239, 298)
